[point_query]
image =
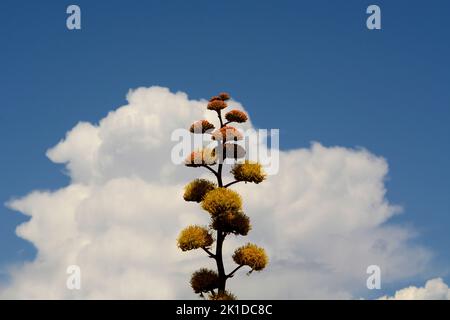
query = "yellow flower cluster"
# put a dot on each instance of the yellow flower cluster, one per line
(222, 200)
(251, 255)
(197, 190)
(194, 237)
(248, 172)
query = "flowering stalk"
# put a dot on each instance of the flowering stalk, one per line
(224, 205)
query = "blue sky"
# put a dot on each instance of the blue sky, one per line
(310, 68)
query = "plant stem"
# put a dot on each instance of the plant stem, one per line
(212, 170)
(219, 114)
(219, 175)
(236, 269)
(219, 261)
(220, 234)
(231, 183)
(212, 255)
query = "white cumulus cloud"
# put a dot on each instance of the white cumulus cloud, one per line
(435, 289)
(323, 218)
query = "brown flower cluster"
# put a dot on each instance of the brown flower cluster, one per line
(218, 103)
(237, 223)
(227, 133)
(236, 116)
(201, 126)
(204, 280)
(201, 158)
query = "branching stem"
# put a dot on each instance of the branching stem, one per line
(212, 170)
(236, 269)
(219, 114)
(211, 255)
(231, 183)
